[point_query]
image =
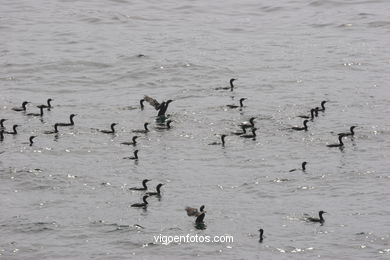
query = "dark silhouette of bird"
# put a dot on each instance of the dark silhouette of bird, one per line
(22, 108)
(236, 106)
(161, 107)
(303, 167)
(133, 143)
(296, 128)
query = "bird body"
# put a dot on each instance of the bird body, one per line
(112, 131)
(317, 220)
(144, 131)
(23, 108)
(144, 204)
(296, 128)
(303, 167)
(144, 187)
(70, 123)
(133, 143)
(227, 88)
(236, 106)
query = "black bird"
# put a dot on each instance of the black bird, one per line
(303, 167)
(322, 109)
(226, 88)
(135, 157)
(200, 218)
(1, 135)
(301, 128)
(141, 103)
(252, 135)
(261, 235)
(167, 126)
(241, 132)
(31, 140)
(23, 108)
(133, 143)
(351, 133)
(68, 124)
(194, 211)
(143, 184)
(2, 123)
(48, 106)
(37, 114)
(157, 193)
(235, 106)
(340, 144)
(249, 124)
(14, 132)
(312, 112)
(141, 205)
(109, 131)
(162, 108)
(218, 143)
(318, 220)
(53, 132)
(144, 131)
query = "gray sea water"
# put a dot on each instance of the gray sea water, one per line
(68, 197)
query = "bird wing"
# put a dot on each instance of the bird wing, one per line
(191, 211)
(152, 102)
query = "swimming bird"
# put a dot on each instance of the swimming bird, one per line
(135, 157)
(133, 143)
(226, 88)
(2, 123)
(303, 167)
(109, 131)
(301, 128)
(141, 205)
(48, 106)
(1, 135)
(322, 109)
(14, 132)
(70, 123)
(141, 103)
(194, 211)
(144, 131)
(53, 132)
(167, 126)
(31, 139)
(37, 114)
(162, 108)
(235, 106)
(23, 108)
(318, 220)
(351, 133)
(157, 193)
(340, 144)
(144, 187)
(252, 135)
(312, 112)
(249, 124)
(261, 235)
(218, 143)
(240, 132)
